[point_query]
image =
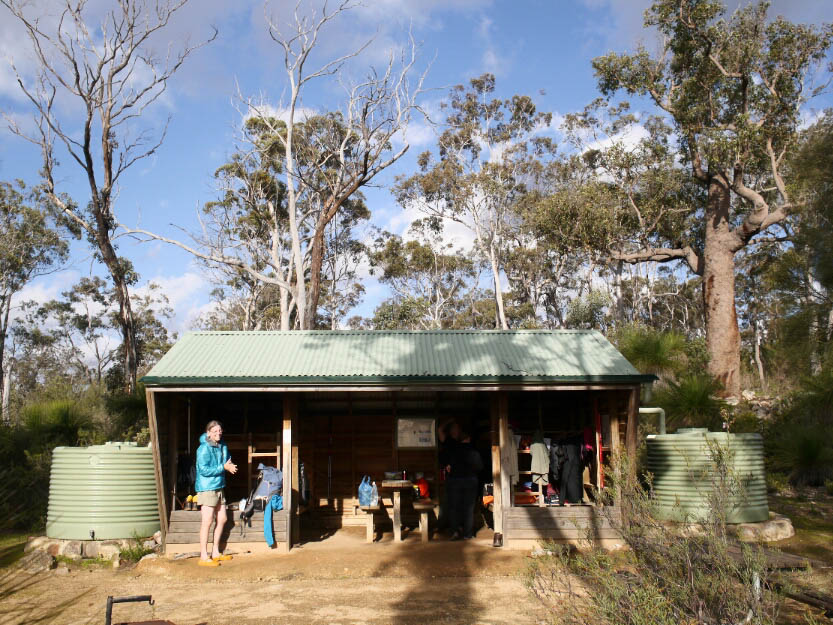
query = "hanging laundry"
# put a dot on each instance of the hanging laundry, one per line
(540, 460)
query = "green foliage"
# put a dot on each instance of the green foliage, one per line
(806, 454)
(799, 440)
(828, 487)
(56, 423)
(588, 312)
(776, 482)
(692, 401)
(667, 576)
(653, 351)
(128, 414)
(135, 550)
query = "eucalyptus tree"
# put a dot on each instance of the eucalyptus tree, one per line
(94, 84)
(425, 270)
(30, 245)
(486, 157)
(344, 253)
(79, 324)
(730, 90)
(345, 149)
(321, 159)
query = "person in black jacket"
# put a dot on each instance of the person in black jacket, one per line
(571, 472)
(463, 465)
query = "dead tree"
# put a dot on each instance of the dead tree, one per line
(100, 78)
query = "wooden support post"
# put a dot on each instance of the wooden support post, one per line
(289, 409)
(497, 505)
(506, 447)
(632, 432)
(613, 411)
(296, 482)
(173, 446)
(150, 398)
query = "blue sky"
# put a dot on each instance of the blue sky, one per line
(536, 47)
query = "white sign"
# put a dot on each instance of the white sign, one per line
(415, 433)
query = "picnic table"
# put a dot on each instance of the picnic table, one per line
(397, 486)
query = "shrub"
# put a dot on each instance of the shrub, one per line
(692, 401)
(805, 453)
(128, 414)
(776, 482)
(653, 351)
(828, 487)
(135, 551)
(55, 423)
(668, 576)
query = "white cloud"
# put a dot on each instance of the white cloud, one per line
(629, 138)
(810, 116)
(45, 288)
(186, 293)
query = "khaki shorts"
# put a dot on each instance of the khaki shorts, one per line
(211, 498)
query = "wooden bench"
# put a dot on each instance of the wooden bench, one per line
(371, 528)
(424, 507)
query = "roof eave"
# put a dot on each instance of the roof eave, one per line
(373, 381)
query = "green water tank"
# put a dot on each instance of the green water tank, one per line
(683, 464)
(102, 492)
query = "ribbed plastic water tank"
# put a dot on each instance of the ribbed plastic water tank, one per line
(684, 478)
(102, 492)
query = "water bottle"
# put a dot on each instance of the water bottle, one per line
(374, 495)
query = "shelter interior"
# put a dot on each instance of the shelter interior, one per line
(340, 436)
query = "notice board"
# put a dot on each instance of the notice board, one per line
(415, 433)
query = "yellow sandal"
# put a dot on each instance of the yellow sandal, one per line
(222, 556)
(208, 563)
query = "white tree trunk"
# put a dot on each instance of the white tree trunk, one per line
(501, 315)
(7, 388)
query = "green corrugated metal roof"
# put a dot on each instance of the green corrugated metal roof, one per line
(392, 357)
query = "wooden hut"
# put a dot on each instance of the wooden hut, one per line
(351, 403)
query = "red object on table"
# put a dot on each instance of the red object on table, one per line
(422, 483)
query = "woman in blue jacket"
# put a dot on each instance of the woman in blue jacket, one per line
(212, 463)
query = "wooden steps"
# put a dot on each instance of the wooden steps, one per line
(561, 523)
(184, 527)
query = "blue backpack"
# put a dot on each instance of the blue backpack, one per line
(270, 483)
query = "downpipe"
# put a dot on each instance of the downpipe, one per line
(656, 411)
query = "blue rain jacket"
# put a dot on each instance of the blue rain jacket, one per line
(210, 460)
(275, 503)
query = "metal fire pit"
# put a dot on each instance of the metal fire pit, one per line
(108, 620)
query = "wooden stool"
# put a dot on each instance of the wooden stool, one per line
(371, 529)
(423, 507)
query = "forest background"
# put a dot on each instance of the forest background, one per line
(678, 201)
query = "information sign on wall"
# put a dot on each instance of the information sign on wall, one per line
(416, 433)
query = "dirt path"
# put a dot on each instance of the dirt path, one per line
(340, 580)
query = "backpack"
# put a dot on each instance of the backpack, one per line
(270, 482)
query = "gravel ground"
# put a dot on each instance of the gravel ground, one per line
(338, 580)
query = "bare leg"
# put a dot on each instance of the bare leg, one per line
(207, 517)
(218, 530)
